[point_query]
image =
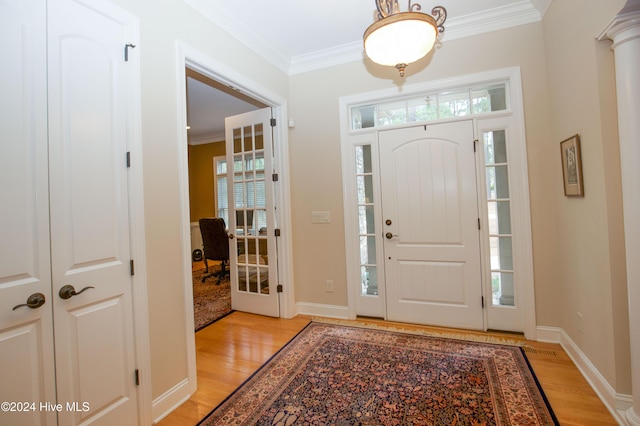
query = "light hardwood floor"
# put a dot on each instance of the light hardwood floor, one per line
(231, 349)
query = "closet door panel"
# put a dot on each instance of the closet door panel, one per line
(26, 333)
(88, 118)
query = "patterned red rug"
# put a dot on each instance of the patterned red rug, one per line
(210, 301)
(341, 375)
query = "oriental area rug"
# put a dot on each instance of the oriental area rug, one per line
(210, 301)
(339, 375)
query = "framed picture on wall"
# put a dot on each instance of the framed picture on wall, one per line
(572, 167)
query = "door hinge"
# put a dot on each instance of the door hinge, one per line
(279, 288)
(276, 232)
(482, 301)
(137, 377)
(128, 158)
(126, 51)
(131, 267)
(275, 177)
(475, 141)
(478, 224)
(273, 122)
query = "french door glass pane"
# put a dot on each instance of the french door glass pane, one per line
(249, 188)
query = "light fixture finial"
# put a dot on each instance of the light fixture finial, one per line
(400, 38)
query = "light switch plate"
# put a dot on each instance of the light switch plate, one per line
(320, 217)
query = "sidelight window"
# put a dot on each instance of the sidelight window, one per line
(499, 216)
(366, 221)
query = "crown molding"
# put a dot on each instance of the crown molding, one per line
(241, 31)
(208, 138)
(520, 12)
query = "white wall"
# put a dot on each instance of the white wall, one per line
(567, 88)
(162, 24)
(566, 79)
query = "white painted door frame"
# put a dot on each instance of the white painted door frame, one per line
(187, 56)
(523, 255)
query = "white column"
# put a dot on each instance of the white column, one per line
(624, 31)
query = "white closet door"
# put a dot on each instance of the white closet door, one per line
(26, 334)
(88, 118)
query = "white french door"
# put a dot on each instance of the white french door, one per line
(430, 225)
(252, 227)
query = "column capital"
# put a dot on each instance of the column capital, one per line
(624, 26)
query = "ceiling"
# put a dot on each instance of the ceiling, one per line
(298, 36)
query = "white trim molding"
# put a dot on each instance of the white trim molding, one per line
(523, 256)
(615, 402)
(517, 13)
(170, 400)
(326, 311)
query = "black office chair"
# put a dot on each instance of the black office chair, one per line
(215, 243)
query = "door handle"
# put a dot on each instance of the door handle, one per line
(231, 236)
(67, 291)
(34, 301)
(389, 235)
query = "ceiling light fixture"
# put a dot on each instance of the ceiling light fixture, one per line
(400, 38)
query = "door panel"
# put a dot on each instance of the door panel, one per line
(26, 335)
(253, 255)
(95, 361)
(429, 203)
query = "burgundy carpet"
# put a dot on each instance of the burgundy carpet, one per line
(337, 375)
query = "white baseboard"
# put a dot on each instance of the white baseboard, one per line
(163, 405)
(317, 309)
(616, 403)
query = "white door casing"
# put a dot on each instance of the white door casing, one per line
(89, 213)
(430, 223)
(253, 251)
(520, 317)
(26, 334)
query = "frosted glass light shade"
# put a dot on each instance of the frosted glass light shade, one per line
(400, 39)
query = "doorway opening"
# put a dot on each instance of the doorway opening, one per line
(208, 104)
(235, 81)
(492, 103)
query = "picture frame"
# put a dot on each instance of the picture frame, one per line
(572, 167)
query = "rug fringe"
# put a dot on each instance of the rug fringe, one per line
(458, 336)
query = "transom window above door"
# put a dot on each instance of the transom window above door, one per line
(461, 102)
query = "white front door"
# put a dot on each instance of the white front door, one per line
(430, 224)
(89, 210)
(27, 373)
(252, 227)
